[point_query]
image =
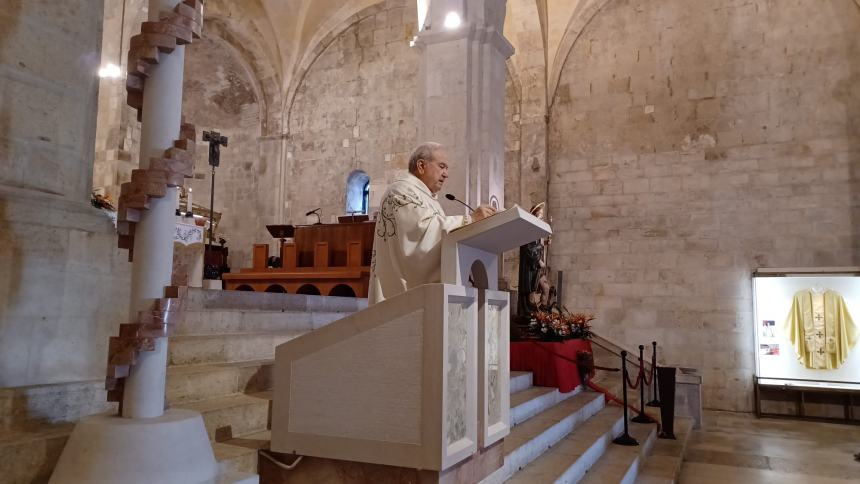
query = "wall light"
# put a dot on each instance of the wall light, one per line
(110, 71)
(452, 20)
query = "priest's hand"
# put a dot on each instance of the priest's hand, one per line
(482, 212)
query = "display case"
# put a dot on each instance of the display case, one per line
(806, 343)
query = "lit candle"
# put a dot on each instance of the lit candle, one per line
(188, 201)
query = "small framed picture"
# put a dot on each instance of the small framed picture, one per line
(767, 328)
(769, 349)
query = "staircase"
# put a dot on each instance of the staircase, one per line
(220, 364)
(220, 361)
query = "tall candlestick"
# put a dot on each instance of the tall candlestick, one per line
(188, 202)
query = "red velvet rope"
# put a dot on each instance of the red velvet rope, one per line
(649, 380)
(609, 396)
(635, 385)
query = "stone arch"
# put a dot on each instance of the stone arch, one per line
(357, 91)
(314, 53)
(260, 70)
(309, 290)
(582, 16)
(342, 290)
(276, 288)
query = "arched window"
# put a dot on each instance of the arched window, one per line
(357, 192)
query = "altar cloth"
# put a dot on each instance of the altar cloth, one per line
(552, 364)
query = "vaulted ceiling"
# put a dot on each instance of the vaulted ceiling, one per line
(289, 30)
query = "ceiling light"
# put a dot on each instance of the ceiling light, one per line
(110, 71)
(452, 20)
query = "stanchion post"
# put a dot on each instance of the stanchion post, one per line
(642, 418)
(655, 402)
(625, 438)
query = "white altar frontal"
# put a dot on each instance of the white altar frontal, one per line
(418, 381)
(188, 252)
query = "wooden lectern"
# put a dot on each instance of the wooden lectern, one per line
(419, 381)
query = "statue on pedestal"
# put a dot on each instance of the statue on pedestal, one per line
(534, 290)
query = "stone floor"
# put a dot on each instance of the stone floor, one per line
(734, 447)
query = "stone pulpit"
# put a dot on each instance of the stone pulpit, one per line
(419, 381)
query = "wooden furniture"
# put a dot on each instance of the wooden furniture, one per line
(324, 259)
(836, 402)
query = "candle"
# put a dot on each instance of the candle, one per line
(188, 201)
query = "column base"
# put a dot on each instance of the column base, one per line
(173, 448)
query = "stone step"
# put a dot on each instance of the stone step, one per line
(534, 400)
(196, 299)
(32, 407)
(663, 465)
(193, 383)
(533, 437)
(30, 456)
(240, 454)
(520, 380)
(620, 464)
(233, 416)
(233, 477)
(225, 348)
(577, 452)
(253, 321)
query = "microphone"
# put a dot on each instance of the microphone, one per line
(316, 212)
(455, 199)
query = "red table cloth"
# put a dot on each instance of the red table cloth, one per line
(549, 363)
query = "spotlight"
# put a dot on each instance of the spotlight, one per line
(452, 20)
(110, 71)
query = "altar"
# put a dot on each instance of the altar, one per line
(188, 251)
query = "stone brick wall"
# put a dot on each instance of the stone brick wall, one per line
(692, 141)
(354, 109)
(220, 94)
(117, 130)
(63, 282)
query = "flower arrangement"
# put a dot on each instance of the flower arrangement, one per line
(559, 325)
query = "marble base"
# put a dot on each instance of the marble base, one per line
(173, 448)
(318, 470)
(688, 395)
(213, 284)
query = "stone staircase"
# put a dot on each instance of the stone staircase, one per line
(220, 364)
(220, 361)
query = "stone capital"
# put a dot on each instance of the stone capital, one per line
(468, 31)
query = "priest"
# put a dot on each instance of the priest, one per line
(407, 249)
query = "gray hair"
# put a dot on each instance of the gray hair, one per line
(425, 151)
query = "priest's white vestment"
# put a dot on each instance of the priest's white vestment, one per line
(407, 249)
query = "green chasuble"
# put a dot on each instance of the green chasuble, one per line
(820, 329)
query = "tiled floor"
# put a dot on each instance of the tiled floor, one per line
(738, 448)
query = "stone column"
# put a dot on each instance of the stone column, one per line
(462, 96)
(153, 239)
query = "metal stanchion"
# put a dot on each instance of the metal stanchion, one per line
(625, 438)
(655, 402)
(642, 418)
